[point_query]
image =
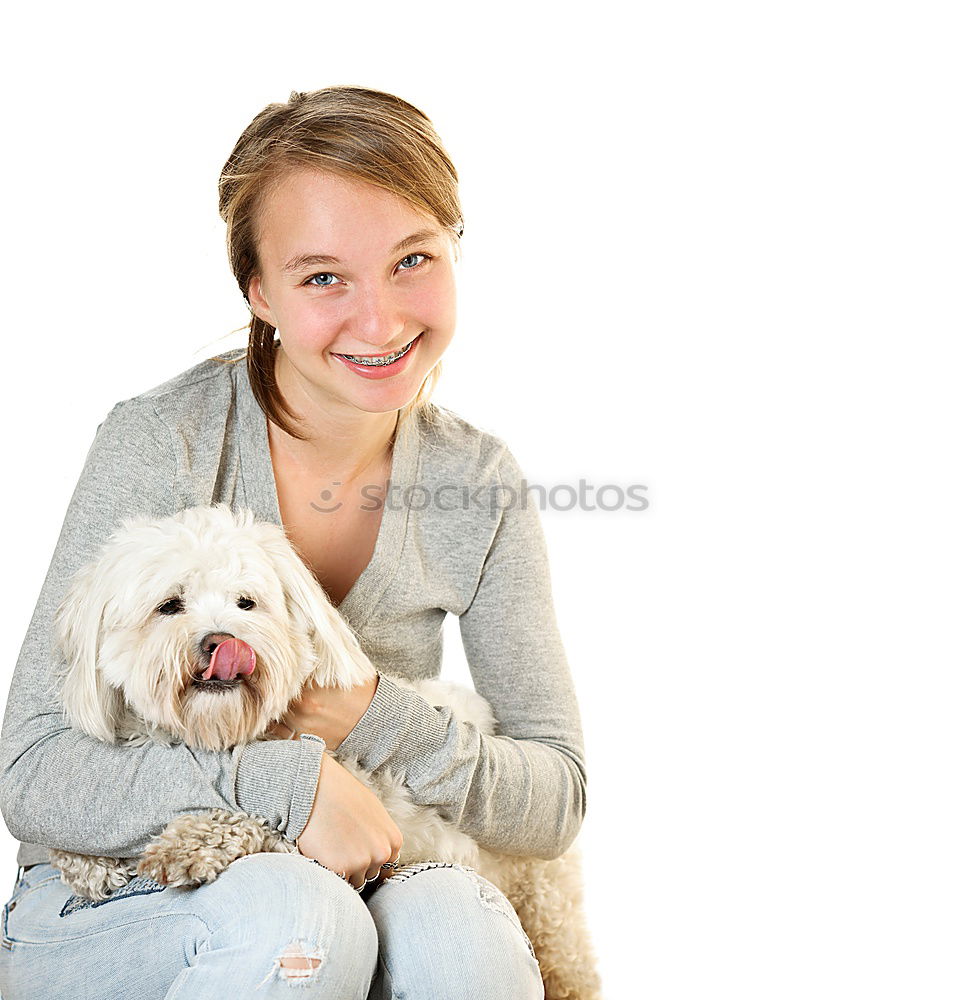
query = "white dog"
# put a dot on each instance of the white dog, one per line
(202, 628)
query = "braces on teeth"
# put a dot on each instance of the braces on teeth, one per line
(376, 362)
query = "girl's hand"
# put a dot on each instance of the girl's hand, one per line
(331, 713)
(349, 831)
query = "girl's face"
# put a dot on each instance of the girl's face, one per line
(350, 269)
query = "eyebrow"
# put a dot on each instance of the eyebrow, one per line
(308, 260)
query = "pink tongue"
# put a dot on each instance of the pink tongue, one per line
(231, 657)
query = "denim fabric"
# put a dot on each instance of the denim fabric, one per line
(432, 931)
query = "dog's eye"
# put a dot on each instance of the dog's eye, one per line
(246, 604)
(174, 606)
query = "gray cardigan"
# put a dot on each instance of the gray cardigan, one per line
(201, 438)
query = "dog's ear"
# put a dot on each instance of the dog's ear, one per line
(89, 702)
(340, 660)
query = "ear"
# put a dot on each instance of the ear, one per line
(89, 702)
(258, 303)
(340, 660)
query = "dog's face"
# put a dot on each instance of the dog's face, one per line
(204, 625)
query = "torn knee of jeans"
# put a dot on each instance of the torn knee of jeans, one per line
(493, 899)
(488, 894)
(297, 963)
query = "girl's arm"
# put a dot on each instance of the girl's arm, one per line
(524, 791)
(61, 788)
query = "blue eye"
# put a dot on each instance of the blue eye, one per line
(412, 257)
(314, 279)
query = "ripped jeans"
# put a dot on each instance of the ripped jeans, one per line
(271, 925)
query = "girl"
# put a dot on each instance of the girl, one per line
(343, 226)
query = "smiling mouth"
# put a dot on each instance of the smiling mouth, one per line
(378, 360)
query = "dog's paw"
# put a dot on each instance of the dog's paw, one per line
(196, 849)
(168, 865)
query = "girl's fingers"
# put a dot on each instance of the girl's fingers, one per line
(372, 874)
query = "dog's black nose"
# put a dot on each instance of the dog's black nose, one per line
(211, 640)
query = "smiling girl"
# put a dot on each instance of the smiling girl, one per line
(343, 228)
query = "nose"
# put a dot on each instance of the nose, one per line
(210, 641)
(378, 322)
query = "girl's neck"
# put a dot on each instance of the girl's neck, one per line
(340, 441)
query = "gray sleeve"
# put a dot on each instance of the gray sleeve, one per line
(62, 788)
(522, 791)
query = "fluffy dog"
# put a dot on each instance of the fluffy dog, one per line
(202, 628)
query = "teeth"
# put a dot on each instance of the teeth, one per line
(377, 362)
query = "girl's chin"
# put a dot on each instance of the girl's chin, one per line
(379, 395)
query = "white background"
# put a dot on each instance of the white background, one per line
(711, 250)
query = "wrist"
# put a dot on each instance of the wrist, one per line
(328, 713)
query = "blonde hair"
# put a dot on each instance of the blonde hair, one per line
(365, 135)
